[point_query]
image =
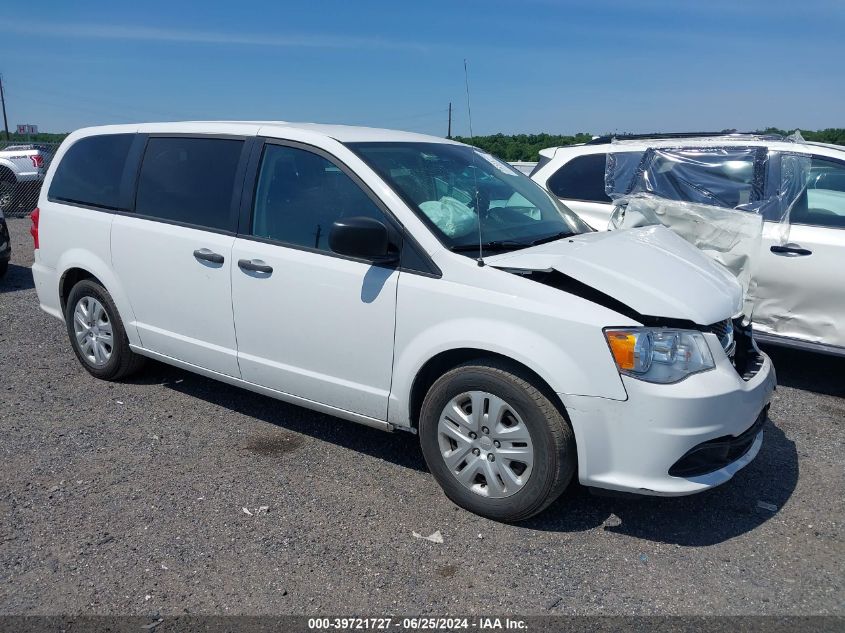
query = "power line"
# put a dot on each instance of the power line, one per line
(96, 103)
(3, 101)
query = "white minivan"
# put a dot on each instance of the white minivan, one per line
(409, 283)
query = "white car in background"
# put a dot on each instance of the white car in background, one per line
(526, 167)
(801, 298)
(338, 268)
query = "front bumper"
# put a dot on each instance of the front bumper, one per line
(30, 176)
(632, 445)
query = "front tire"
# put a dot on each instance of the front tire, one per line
(97, 334)
(495, 442)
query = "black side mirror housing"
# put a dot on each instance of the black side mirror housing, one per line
(362, 237)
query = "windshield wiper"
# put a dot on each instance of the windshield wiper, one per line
(498, 245)
(552, 238)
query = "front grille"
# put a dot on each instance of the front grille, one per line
(737, 341)
(721, 328)
(724, 330)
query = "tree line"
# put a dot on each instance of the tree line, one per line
(526, 147)
(41, 137)
(518, 147)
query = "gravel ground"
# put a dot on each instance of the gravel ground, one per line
(127, 499)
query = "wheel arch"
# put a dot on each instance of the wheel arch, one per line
(6, 173)
(77, 265)
(446, 360)
(69, 279)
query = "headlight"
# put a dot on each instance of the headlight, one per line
(659, 354)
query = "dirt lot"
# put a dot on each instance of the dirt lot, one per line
(127, 499)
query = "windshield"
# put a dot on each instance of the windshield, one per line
(451, 186)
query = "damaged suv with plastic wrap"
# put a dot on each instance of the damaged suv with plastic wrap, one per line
(770, 209)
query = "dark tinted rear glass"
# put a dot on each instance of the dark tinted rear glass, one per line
(582, 178)
(189, 180)
(91, 170)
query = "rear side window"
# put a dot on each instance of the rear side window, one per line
(823, 202)
(189, 181)
(299, 196)
(582, 178)
(91, 170)
(722, 177)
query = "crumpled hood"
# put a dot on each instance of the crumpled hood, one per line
(651, 270)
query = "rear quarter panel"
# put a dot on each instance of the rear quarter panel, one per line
(75, 237)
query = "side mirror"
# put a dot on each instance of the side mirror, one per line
(362, 237)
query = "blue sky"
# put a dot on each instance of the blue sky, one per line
(534, 65)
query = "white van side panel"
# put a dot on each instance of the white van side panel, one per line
(89, 231)
(182, 305)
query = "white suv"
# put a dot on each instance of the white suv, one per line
(799, 293)
(339, 268)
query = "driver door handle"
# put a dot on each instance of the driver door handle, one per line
(790, 250)
(208, 256)
(254, 265)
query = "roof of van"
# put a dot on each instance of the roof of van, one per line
(342, 133)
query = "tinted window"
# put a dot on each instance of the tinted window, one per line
(91, 170)
(582, 178)
(189, 180)
(300, 194)
(823, 203)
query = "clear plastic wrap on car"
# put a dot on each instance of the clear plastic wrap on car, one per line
(714, 196)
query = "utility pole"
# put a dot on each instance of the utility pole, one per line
(6, 121)
(448, 134)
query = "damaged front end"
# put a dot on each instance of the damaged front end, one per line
(649, 275)
(693, 377)
(734, 333)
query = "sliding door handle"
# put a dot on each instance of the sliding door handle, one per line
(254, 265)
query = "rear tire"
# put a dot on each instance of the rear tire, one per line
(8, 195)
(491, 474)
(97, 334)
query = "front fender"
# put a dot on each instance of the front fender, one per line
(563, 370)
